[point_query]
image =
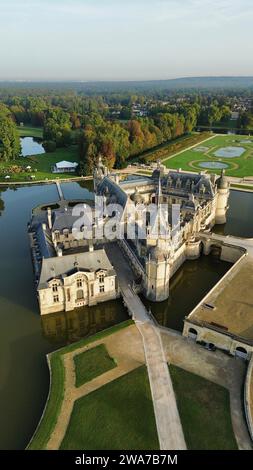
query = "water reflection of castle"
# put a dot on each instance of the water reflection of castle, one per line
(64, 327)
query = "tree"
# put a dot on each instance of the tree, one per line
(10, 148)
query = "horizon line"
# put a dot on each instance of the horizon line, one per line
(76, 80)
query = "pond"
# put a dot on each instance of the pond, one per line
(31, 146)
(213, 165)
(26, 338)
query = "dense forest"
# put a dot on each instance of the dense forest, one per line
(116, 125)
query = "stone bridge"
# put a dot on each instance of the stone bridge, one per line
(231, 248)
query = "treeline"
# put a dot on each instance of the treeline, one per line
(9, 139)
(115, 142)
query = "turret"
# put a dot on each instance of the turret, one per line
(222, 199)
(99, 173)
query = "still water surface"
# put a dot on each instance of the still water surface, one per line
(31, 146)
(25, 339)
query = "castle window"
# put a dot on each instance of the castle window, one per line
(79, 295)
(55, 288)
(79, 283)
(56, 298)
(101, 288)
(66, 233)
(68, 295)
(101, 278)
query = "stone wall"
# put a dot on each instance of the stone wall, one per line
(248, 397)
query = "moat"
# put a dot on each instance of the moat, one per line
(25, 339)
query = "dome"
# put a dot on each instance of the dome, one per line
(136, 197)
(222, 181)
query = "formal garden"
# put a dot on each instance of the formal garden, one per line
(233, 153)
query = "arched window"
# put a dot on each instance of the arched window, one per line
(241, 352)
(193, 333)
(79, 295)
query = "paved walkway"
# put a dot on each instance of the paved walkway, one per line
(125, 346)
(170, 432)
(216, 367)
(169, 429)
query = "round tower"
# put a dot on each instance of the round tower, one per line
(222, 199)
(157, 280)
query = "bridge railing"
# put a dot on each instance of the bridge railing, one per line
(133, 258)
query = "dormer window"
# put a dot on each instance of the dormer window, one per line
(57, 236)
(79, 283)
(66, 233)
(101, 278)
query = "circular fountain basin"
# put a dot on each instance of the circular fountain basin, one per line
(213, 165)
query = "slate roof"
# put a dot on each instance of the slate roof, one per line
(66, 265)
(65, 220)
(107, 186)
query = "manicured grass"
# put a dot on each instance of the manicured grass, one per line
(92, 363)
(204, 410)
(53, 406)
(239, 166)
(29, 131)
(119, 415)
(43, 163)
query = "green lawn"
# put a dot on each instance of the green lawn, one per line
(204, 410)
(119, 415)
(53, 406)
(29, 131)
(92, 363)
(41, 164)
(239, 166)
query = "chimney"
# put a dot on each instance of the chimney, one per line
(49, 218)
(59, 252)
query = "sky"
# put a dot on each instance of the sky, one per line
(124, 39)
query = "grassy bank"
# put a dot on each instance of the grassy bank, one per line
(242, 186)
(53, 406)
